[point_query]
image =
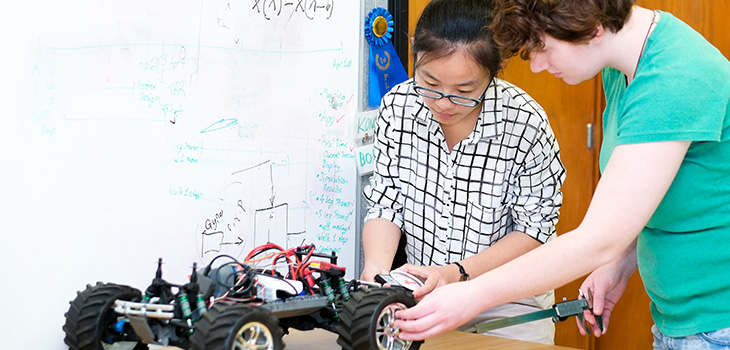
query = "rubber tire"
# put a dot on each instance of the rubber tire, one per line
(218, 327)
(359, 317)
(92, 311)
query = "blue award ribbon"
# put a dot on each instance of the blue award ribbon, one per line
(385, 67)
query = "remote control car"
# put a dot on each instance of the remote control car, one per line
(240, 305)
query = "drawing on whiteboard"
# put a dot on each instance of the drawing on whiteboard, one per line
(271, 224)
(311, 9)
(227, 231)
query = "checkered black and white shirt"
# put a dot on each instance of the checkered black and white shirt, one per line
(506, 176)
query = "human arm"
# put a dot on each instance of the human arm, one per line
(509, 247)
(380, 239)
(633, 184)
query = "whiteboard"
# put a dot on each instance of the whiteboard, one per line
(137, 130)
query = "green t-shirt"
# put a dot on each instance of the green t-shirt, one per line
(681, 91)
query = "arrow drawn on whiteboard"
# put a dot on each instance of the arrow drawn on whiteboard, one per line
(221, 124)
(239, 242)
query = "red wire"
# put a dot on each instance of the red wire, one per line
(262, 247)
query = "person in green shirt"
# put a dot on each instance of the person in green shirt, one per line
(662, 204)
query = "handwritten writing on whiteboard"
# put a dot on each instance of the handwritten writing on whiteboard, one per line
(248, 138)
(311, 9)
(333, 207)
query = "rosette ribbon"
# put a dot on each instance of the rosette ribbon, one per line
(385, 68)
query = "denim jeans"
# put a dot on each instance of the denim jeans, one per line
(716, 340)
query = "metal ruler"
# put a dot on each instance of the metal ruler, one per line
(559, 312)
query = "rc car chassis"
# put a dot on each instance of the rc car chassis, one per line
(240, 305)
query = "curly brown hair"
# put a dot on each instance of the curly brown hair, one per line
(519, 24)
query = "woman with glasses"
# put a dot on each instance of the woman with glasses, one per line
(662, 204)
(467, 166)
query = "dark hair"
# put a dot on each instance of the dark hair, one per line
(519, 24)
(446, 25)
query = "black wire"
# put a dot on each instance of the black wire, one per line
(210, 265)
(234, 287)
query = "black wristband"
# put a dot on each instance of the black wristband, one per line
(464, 275)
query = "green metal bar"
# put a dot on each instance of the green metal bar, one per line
(511, 321)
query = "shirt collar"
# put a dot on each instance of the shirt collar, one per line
(489, 124)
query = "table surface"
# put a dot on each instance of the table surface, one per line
(320, 339)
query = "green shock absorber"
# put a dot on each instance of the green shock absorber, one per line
(194, 289)
(329, 292)
(185, 306)
(186, 311)
(342, 287)
(201, 308)
(327, 288)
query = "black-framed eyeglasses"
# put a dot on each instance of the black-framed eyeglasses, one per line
(455, 99)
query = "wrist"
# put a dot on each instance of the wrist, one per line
(462, 274)
(370, 270)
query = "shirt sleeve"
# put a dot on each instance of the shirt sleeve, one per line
(383, 194)
(536, 186)
(655, 111)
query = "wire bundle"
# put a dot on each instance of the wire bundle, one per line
(295, 264)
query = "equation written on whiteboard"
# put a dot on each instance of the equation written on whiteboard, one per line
(311, 9)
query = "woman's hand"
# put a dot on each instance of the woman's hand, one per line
(370, 270)
(603, 287)
(433, 276)
(440, 311)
